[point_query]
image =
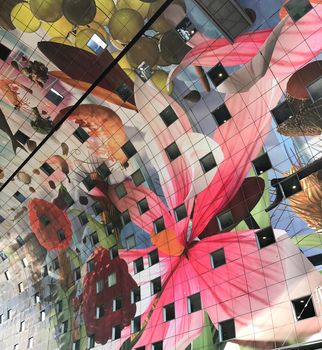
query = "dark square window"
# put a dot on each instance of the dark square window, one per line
(217, 258)
(59, 306)
(20, 241)
(130, 242)
(111, 279)
(117, 304)
(47, 169)
(99, 286)
(81, 135)
(158, 225)
(315, 90)
(109, 228)
(77, 273)
(140, 348)
(4, 52)
(76, 345)
(44, 219)
(7, 275)
(262, 164)
(138, 177)
(99, 311)
(61, 235)
(82, 217)
(97, 208)
(54, 96)
(225, 220)
(103, 171)
(120, 190)
(2, 219)
(94, 238)
(297, 8)
(173, 151)
(124, 91)
(88, 183)
(136, 324)
(153, 257)
(114, 252)
(217, 74)
(55, 264)
(20, 287)
(221, 114)
(116, 332)
(143, 206)
(91, 341)
(135, 295)
(227, 330)
(138, 265)
(168, 312)
(194, 303)
(156, 285)
(186, 29)
(282, 112)
(291, 185)
(45, 271)
(19, 197)
(96, 44)
(42, 315)
(157, 346)
(128, 149)
(144, 71)
(168, 116)
(180, 212)
(208, 162)
(67, 200)
(125, 218)
(21, 137)
(90, 265)
(265, 237)
(303, 308)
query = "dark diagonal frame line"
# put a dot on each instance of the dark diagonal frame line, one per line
(146, 27)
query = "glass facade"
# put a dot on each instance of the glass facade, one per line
(160, 174)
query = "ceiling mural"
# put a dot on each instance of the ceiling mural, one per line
(160, 174)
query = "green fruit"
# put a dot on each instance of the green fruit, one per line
(145, 49)
(47, 10)
(125, 24)
(159, 79)
(79, 12)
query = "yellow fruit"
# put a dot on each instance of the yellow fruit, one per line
(159, 79)
(104, 11)
(137, 5)
(123, 62)
(131, 74)
(125, 24)
(22, 18)
(46, 10)
(59, 28)
(61, 40)
(84, 35)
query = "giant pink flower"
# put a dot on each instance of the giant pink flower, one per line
(255, 286)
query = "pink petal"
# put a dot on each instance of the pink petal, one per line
(241, 139)
(256, 286)
(180, 332)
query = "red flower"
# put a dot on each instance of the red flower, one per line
(94, 298)
(50, 224)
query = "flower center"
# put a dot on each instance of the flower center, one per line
(167, 243)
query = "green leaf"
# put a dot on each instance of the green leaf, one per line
(208, 339)
(313, 240)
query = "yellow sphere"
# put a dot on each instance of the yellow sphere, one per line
(159, 79)
(123, 62)
(104, 11)
(61, 40)
(47, 10)
(84, 35)
(62, 27)
(137, 5)
(125, 24)
(23, 19)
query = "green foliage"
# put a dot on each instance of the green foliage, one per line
(313, 240)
